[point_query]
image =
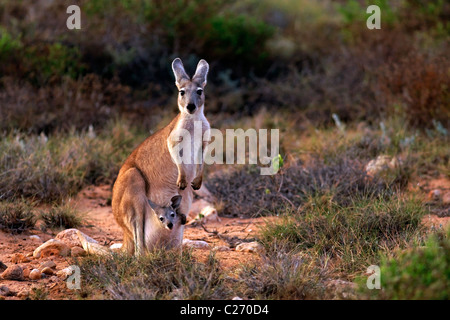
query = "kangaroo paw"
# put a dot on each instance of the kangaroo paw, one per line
(183, 218)
(197, 183)
(182, 184)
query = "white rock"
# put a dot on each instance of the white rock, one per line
(70, 237)
(116, 247)
(52, 245)
(237, 298)
(64, 273)
(196, 244)
(382, 164)
(35, 238)
(221, 248)
(204, 211)
(92, 247)
(250, 247)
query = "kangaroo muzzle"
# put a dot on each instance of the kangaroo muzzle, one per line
(191, 108)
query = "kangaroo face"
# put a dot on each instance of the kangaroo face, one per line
(191, 97)
(168, 215)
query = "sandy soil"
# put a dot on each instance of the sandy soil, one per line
(101, 226)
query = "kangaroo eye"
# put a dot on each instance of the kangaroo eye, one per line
(199, 91)
(182, 92)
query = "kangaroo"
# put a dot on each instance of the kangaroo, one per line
(153, 172)
(168, 215)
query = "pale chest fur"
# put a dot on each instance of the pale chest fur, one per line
(186, 142)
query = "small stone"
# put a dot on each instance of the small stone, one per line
(4, 291)
(35, 238)
(35, 274)
(19, 258)
(14, 272)
(435, 194)
(116, 247)
(64, 273)
(47, 264)
(52, 247)
(237, 298)
(221, 248)
(26, 272)
(196, 244)
(77, 252)
(47, 271)
(254, 247)
(382, 164)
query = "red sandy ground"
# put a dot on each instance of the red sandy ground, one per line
(102, 227)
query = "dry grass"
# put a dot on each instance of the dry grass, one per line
(54, 167)
(17, 216)
(158, 275)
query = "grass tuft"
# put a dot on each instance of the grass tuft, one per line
(17, 216)
(61, 216)
(158, 275)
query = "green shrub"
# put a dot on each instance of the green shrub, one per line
(45, 62)
(239, 38)
(8, 45)
(417, 273)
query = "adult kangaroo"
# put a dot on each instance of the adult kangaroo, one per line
(153, 173)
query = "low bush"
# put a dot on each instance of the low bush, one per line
(419, 273)
(55, 167)
(353, 237)
(17, 216)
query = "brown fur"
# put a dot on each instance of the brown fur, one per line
(150, 173)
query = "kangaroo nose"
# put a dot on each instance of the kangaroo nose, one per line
(191, 107)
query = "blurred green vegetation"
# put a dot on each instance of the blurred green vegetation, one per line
(314, 57)
(418, 273)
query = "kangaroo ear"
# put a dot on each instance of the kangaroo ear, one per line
(152, 205)
(178, 71)
(201, 72)
(176, 201)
